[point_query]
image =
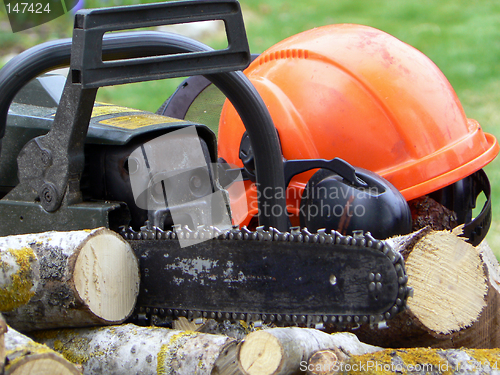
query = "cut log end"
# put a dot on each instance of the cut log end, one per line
(449, 282)
(323, 362)
(261, 354)
(42, 364)
(25, 356)
(280, 351)
(109, 295)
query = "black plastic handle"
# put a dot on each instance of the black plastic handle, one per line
(336, 165)
(234, 85)
(89, 69)
(476, 230)
(56, 54)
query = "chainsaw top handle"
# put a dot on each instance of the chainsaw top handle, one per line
(98, 60)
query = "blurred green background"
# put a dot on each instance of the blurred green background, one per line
(461, 37)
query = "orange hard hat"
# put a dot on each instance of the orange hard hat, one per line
(360, 94)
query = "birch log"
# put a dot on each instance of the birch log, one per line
(287, 350)
(130, 349)
(3, 330)
(325, 362)
(424, 361)
(455, 299)
(26, 357)
(67, 279)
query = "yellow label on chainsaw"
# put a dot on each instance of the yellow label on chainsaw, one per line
(110, 109)
(137, 121)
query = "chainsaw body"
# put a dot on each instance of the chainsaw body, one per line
(113, 133)
(69, 163)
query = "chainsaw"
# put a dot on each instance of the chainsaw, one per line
(69, 163)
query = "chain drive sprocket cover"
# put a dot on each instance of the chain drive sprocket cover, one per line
(292, 278)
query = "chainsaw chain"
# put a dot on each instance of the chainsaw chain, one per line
(159, 316)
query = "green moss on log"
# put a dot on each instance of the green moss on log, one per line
(20, 288)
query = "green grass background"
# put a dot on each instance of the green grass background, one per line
(461, 37)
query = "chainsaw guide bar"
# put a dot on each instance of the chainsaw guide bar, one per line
(292, 278)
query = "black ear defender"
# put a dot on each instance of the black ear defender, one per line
(461, 198)
(334, 200)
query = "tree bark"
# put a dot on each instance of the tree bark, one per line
(455, 295)
(423, 361)
(130, 349)
(426, 212)
(3, 330)
(67, 279)
(26, 357)
(287, 350)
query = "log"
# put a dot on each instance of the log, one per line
(279, 351)
(3, 330)
(485, 332)
(67, 279)
(455, 295)
(130, 349)
(227, 362)
(25, 357)
(325, 362)
(426, 212)
(238, 329)
(424, 361)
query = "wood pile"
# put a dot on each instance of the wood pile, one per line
(66, 298)
(456, 295)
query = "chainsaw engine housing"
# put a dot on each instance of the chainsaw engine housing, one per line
(114, 133)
